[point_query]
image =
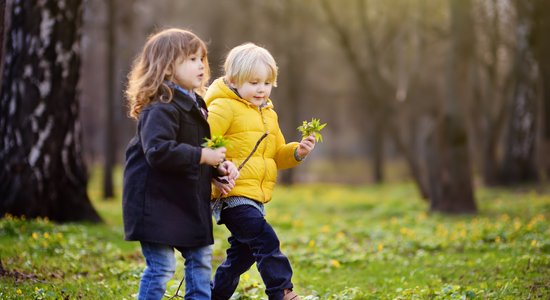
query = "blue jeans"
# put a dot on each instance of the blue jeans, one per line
(161, 266)
(252, 240)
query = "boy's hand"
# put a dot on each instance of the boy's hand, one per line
(306, 146)
(213, 157)
(224, 184)
(228, 169)
(230, 173)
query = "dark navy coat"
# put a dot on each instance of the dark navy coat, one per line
(166, 192)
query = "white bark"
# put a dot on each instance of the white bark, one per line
(46, 27)
(37, 148)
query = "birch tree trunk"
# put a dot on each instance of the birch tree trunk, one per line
(4, 20)
(42, 170)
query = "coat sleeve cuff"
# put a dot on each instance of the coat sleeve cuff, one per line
(297, 156)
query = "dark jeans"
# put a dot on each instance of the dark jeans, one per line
(252, 240)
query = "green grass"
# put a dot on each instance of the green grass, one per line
(344, 242)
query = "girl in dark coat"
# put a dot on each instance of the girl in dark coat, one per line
(167, 175)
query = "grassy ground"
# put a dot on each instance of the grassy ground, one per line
(343, 242)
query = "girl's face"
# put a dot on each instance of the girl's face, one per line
(189, 72)
(256, 89)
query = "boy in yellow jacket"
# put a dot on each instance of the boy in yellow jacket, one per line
(241, 111)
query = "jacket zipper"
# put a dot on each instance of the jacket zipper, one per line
(263, 155)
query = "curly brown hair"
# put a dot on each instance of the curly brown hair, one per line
(156, 63)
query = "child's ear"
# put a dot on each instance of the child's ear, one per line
(232, 85)
(168, 73)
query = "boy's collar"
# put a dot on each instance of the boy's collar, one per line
(175, 86)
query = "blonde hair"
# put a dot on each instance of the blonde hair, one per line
(242, 62)
(157, 62)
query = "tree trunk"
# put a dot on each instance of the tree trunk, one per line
(412, 162)
(451, 189)
(449, 169)
(4, 24)
(487, 113)
(519, 159)
(42, 170)
(490, 163)
(541, 45)
(377, 142)
(293, 35)
(110, 130)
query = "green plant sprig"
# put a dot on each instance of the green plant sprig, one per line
(313, 127)
(217, 141)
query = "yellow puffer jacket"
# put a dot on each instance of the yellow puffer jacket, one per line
(242, 124)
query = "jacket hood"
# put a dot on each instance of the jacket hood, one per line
(219, 89)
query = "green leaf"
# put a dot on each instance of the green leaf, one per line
(313, 127)
(217, 141)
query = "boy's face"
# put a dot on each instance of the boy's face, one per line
(256, 89)
(190, 71)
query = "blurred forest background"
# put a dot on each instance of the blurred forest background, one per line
(449, 94)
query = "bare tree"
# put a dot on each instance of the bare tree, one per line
(42, 170)
(292, 17)
(382, 69)
(366, 69)
(519, 159)
(486, 112)
(503, 115)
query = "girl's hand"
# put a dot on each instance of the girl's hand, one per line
(228, 169)
(224, 184)
(213, 157)
(306, 146)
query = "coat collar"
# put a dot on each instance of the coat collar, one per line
(186, 103)
(182, 100)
